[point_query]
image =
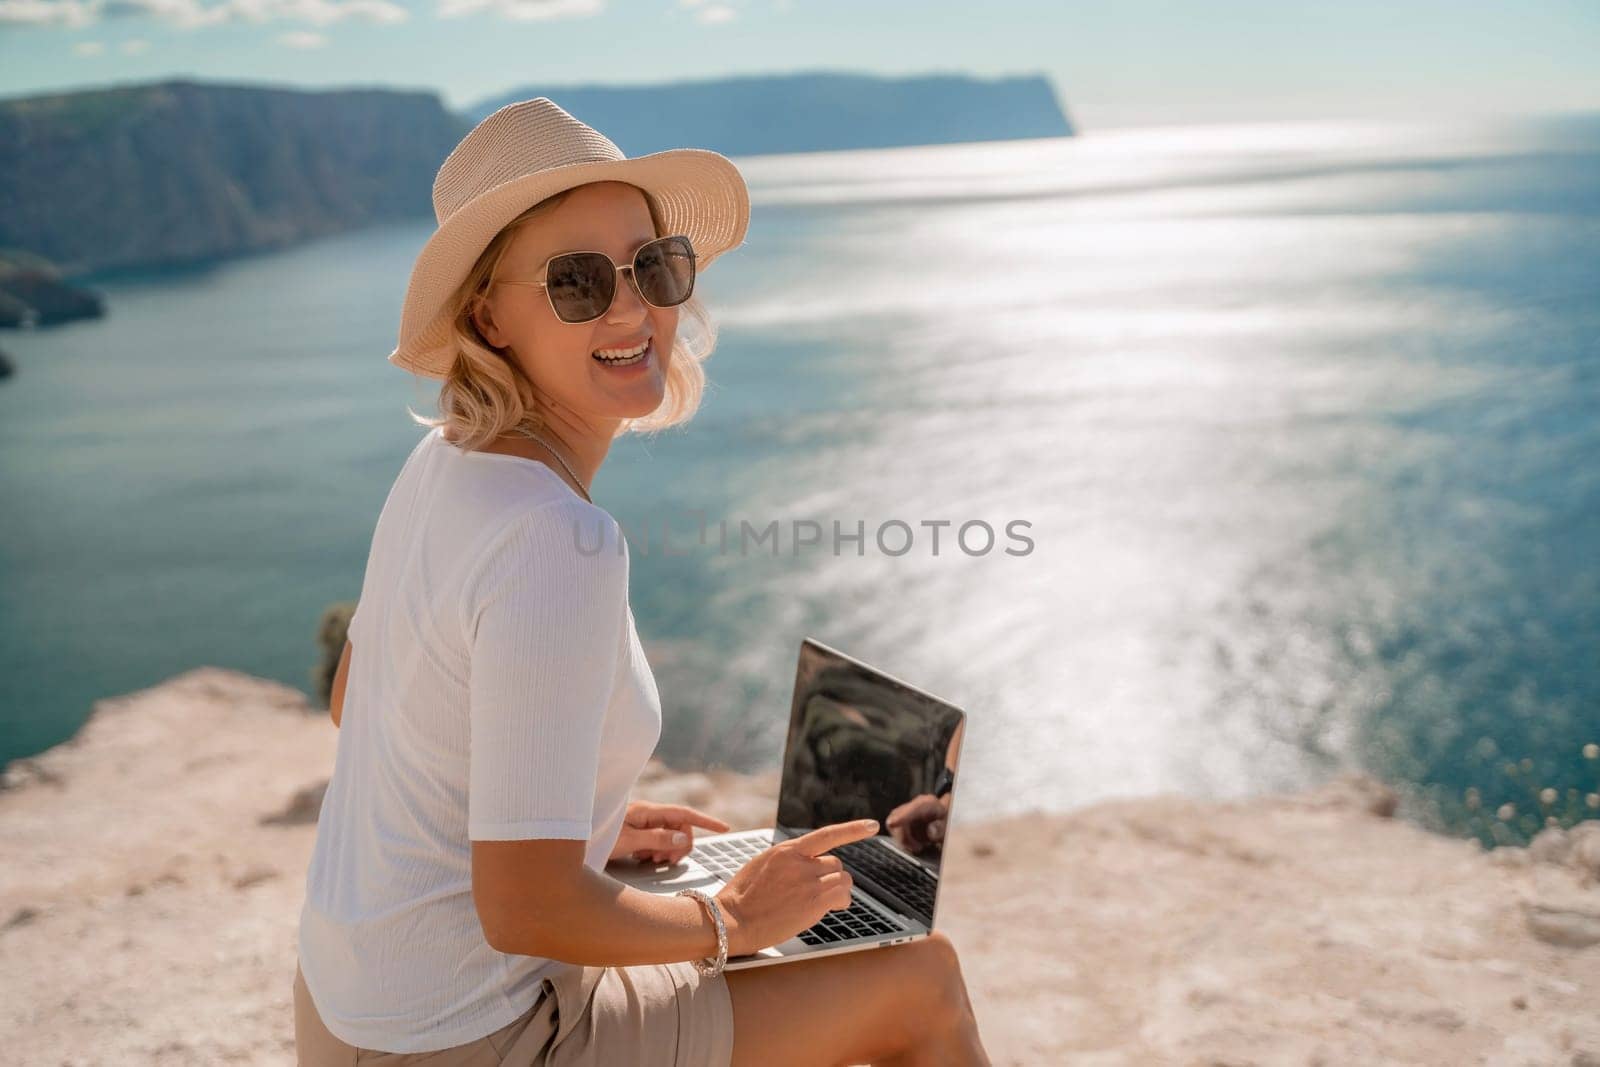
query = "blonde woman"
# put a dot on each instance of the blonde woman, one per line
(494, 702)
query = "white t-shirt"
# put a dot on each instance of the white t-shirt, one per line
(497, 690)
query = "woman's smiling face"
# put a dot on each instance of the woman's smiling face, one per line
(558, 357)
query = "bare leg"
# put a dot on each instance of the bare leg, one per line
(903, 1006)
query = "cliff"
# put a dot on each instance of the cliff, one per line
(182, 171)
(155, 868)
(808, 112)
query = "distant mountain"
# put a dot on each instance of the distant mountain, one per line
(182, 171)
(808, 112)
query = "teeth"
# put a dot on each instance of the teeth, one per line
(621, 355)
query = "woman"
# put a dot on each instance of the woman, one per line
(500, 707)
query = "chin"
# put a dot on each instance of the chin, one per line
(641, 411)
(631, 404)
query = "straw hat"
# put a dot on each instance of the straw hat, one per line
(515, 158)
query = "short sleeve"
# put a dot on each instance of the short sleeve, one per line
(546, 620)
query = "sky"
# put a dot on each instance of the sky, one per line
(1123, 63)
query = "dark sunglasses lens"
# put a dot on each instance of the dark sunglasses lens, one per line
(581, 285)
(664, 271)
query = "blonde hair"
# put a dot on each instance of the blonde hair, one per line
(485, 394)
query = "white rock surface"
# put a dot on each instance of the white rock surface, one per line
(154, 868)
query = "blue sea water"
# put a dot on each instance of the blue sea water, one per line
(1302, 420)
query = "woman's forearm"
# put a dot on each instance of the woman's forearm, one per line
(598, 921)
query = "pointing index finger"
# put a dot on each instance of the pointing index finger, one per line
(823, 838)
(682, 815)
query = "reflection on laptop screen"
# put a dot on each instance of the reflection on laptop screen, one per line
(864, 745)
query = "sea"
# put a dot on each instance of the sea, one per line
(1207, 460)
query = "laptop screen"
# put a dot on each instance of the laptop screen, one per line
(865, 745)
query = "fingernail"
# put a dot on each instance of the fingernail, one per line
(679, 838)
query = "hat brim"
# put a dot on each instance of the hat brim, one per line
(700, 193)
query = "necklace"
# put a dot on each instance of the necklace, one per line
(559, 459)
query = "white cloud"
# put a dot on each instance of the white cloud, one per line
(522, 10)
(88, 48)
(47, 12)
(191, 14)
(707, 12)
(317, 12)
(302, 39)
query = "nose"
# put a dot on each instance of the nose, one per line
(628, 305)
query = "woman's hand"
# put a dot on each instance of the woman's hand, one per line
(787, 888)
(918, 824)
(649, 829)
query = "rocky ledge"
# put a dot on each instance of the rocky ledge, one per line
(155, 867)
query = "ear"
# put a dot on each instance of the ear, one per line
(483, 319)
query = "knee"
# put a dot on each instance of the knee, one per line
(941, 948)
(945, 966)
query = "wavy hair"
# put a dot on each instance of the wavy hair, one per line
(485, 393)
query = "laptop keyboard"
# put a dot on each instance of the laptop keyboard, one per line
(911, 881)
(727, 856)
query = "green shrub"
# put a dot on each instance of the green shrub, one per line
(331, 633)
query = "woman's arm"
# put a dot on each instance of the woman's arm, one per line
(548, 627)
(537, 898)
(336, 698)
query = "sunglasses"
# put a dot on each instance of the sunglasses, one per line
(582, 285)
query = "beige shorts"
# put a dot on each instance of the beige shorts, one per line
(653, 1015)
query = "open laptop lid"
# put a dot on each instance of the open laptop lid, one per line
(865, 745)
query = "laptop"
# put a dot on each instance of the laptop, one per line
(861, 744)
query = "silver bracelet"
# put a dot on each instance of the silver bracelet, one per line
(704, 966)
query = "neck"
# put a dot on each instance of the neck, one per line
(582, 445)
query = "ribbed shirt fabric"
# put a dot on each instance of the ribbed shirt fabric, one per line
(497, 691)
